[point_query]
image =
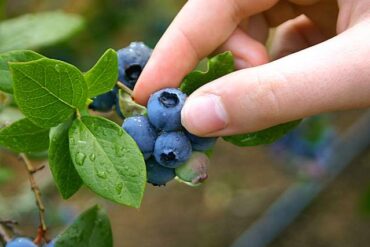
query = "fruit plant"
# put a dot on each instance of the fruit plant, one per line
(114, 160)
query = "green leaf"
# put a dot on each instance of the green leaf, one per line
(91, 229)
(104, 75)
(6, 82)
(48, 91)
(108, 160)
(266, 136)
(38, 30)
(218, 66)
(65, 175)
(24, 136)
(128, 106)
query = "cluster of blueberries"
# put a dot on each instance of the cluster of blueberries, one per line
(169, 150)
(26, 242)
(165, 144)
(131, 61)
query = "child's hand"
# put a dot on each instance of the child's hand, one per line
(328, 76)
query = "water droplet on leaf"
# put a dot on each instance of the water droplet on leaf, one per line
(92, 157)
(120, 151)
(101, 174)
(119, 187)
(80, 158)
(72, 140)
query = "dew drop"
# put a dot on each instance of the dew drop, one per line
(120, 151)
(119, 187)
(72, 140)
(92, 157)
(101, 174)
(80, 158)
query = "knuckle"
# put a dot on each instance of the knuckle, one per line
(267, 97)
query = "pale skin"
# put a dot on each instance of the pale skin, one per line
(319, 61)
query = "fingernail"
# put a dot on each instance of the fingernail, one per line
(204, 114)
(241, 64)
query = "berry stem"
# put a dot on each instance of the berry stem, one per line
(41, 233)
(124, 88)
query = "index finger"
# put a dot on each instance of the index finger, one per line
(198, 29)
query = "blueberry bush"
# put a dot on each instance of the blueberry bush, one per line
(114, 160)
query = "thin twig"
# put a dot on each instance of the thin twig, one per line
(8, 222)
(3, 234)
(41, 233)
(7, 226)
(124, 87)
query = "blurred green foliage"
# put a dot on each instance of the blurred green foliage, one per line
(109, 24)
(2, 9)
(365, 202)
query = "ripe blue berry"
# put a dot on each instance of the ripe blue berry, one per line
(131, 61)
(164, 109)
(201, 143)
(158, 175)
(21, 242)
(172, 149)
(142, 132)
(51, 243)
(104, 102)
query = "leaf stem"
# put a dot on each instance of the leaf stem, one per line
(124, 88)
(41, 233)
(78, 114)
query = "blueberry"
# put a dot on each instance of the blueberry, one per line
(201, 144)
(296, 143)
(131, 61)
(20, 242)
(142, 132)
(158, 175)
(164, 109)
(194, 171)
(51, 243)
(172, 149)
(104, 102)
